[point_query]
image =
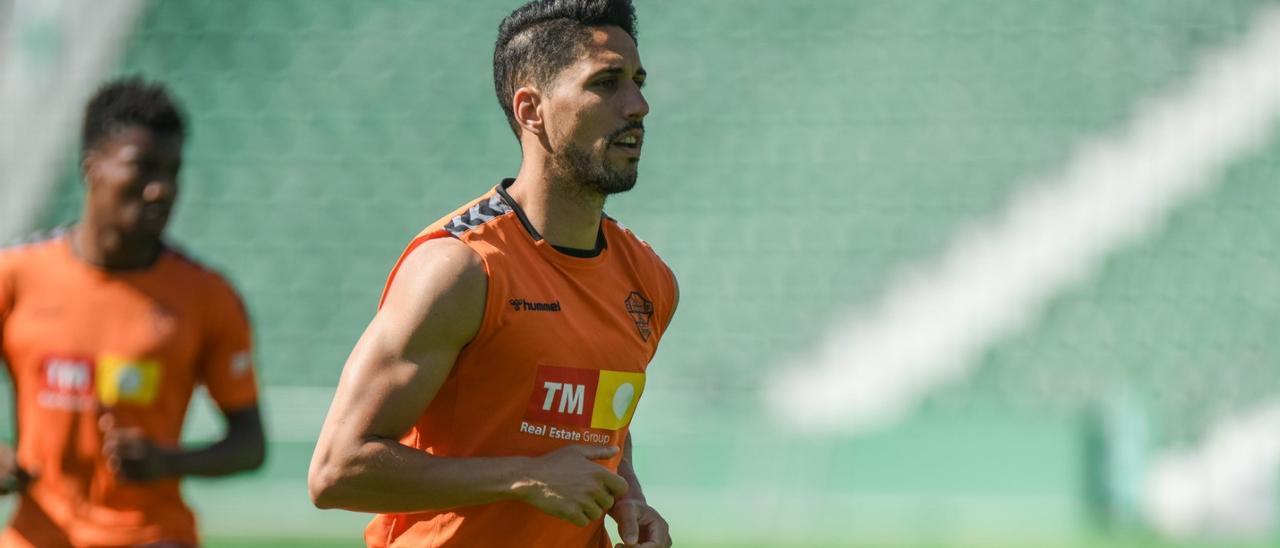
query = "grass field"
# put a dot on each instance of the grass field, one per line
(1118, 542)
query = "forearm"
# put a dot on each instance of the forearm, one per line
(385, 476)
(228, 456)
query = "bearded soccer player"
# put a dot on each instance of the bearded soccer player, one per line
(106, 331)
(489, 400)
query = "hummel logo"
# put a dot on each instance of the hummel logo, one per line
(521, 304)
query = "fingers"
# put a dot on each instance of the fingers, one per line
(111, 450)
(124, 448)
(576, 516)
(628, 529)
(578, 488)
(640, 526)
(657, 533)
(128, 443)
(615, 484)
(593, 511)
(582, 513)
(596, 452)
(110, 442)
(106, 422)
(603, 500)
(132, 445)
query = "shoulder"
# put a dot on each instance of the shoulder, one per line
(444, 255)
(479, 212)
(35, 239)
(204, 279)
(437, 268)
(33, 242)
(469, 216)
(434, 252)
(438, 291)
(636, 245)
(30, 250)
(195, 270)
(652, 265)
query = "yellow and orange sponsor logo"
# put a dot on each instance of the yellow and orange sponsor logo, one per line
(127, 381)
(616, 397)
(584, 398)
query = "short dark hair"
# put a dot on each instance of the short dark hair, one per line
(541, 38)
(131, 101)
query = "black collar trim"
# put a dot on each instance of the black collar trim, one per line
(533, 232)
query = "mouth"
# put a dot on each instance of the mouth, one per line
(629, 141)
(155, 214)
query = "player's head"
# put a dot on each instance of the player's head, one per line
(568, 75)
(131, 150)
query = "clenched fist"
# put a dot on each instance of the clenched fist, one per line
(130, 455)
(565, 483)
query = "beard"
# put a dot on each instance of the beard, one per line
(592, 172)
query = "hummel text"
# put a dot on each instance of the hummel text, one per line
(521, 304)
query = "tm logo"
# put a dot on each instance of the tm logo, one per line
(571, 397)
(69, 375)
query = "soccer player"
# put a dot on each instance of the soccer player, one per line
(489, 400)
(106, 330)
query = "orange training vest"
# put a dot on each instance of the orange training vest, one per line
(559, 359)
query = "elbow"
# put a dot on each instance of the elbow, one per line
(324, 485)
(321, 486)
(338, 477)
(256, 456)
(248, 453)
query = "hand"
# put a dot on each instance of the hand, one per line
(12, 477)
(639, 525)
(566, 484)
(130, 455)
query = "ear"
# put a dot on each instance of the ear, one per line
(526, 104)
(88, 161)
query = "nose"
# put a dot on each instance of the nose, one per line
(160, 190)
(636, 107)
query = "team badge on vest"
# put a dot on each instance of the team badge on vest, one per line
(581, 404)
(641, 311)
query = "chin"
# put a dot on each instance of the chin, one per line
(616, 187)
(146, 233)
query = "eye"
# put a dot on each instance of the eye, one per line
(607, 83)
(640, 83)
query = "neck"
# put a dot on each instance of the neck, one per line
(565, 213)
(111, 249)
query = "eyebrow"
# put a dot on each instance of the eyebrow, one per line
(616, 71)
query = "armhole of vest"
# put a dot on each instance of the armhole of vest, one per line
(386, 287)
(492, 307)
(673, 289)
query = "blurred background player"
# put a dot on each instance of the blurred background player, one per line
(488, 402)
(106, 331)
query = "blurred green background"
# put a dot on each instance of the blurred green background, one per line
(800, 157)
